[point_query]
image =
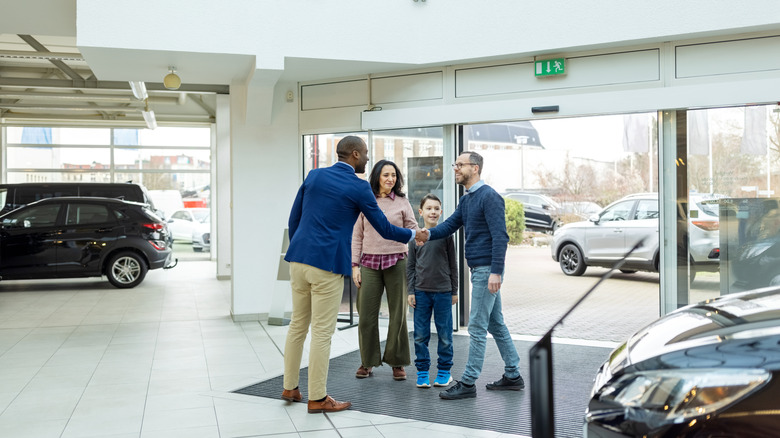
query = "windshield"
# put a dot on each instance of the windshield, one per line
(201, 215)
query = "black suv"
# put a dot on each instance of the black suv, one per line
(541, 212)
(83, 237)
(13, 196)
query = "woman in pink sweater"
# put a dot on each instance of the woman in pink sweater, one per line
(379, 265)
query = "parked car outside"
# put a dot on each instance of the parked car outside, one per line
(183, 223)
(607, 237)
(703, 231)
(706, 370)
(579, 209)
(541, 212)
(201, 236)
(71, 237)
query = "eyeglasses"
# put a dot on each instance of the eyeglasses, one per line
(460, 165)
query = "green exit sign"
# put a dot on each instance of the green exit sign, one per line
(550, 67)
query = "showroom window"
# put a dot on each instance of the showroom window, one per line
(731, 232)
(173, 163)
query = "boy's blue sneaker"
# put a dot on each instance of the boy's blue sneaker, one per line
(443, 378)
(423, 380)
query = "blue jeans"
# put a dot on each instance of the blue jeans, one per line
(440, 305)
(486, 316)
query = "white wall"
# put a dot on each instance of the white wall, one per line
(265, 177)
(406, 32)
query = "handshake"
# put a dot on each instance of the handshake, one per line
(422, 236)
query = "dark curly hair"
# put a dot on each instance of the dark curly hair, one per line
(376, 171)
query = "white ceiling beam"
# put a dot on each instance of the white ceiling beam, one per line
(57, 107)
(22, 54)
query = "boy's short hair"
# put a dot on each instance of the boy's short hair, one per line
(430, 196)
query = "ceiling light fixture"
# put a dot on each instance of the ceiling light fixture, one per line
(139, 90)
(172, 81)
(151, 121)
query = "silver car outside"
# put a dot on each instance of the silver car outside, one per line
(606, 237)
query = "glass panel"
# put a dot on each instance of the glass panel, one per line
(191, 185)
(162, 158)
(40, 177)
(733, 210)
(419, 153)
(58, 158)
(564, 171)
(173, 136)
(91, 136)
(319, 150)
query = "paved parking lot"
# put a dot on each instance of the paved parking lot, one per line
(536, 294)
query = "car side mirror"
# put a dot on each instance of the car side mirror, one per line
(594, 218)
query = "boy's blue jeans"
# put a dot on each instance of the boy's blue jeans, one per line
(440, 305)
(486, 316)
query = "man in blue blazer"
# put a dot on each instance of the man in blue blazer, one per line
(320, 226)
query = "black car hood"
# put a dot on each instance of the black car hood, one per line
(739, 330)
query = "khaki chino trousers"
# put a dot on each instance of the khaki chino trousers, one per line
(316, 296)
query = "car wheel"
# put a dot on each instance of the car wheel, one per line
(628, 271)
(126, 269)
(571, 260)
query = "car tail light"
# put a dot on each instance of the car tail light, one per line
(707, 225)
(714, 254)
(156, 226)
(159, 245)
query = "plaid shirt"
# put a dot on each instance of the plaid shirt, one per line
(380, 261)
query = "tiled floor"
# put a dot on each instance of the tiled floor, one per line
(79, 358)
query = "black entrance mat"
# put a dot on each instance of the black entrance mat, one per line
(500, 411)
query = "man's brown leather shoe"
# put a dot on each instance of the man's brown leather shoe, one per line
(293, 395)
(327, 405)
(399, 373)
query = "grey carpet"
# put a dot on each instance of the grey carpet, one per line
(500, 411)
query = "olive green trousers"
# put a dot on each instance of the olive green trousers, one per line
(373, 283)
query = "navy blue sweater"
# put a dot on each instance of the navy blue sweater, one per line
(481, 213)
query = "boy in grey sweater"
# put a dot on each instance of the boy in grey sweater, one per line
(432, 272)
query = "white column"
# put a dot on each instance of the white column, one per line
(221, 197)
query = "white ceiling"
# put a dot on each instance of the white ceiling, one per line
(46, 80)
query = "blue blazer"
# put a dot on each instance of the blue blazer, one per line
(324, 213)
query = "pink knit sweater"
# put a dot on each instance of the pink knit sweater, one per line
(365, 239)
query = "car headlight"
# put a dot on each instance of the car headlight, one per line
(617, 360)
(672, 396)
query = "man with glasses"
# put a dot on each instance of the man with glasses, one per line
(481, 213)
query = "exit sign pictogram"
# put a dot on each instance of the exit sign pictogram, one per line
(550, 67)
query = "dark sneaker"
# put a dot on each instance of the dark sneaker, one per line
(458, 391)
(507, 384)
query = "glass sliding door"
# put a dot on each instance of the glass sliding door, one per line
(732, 201)
(588, 187)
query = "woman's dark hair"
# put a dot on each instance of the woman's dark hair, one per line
(376, 171)
(429, 196)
